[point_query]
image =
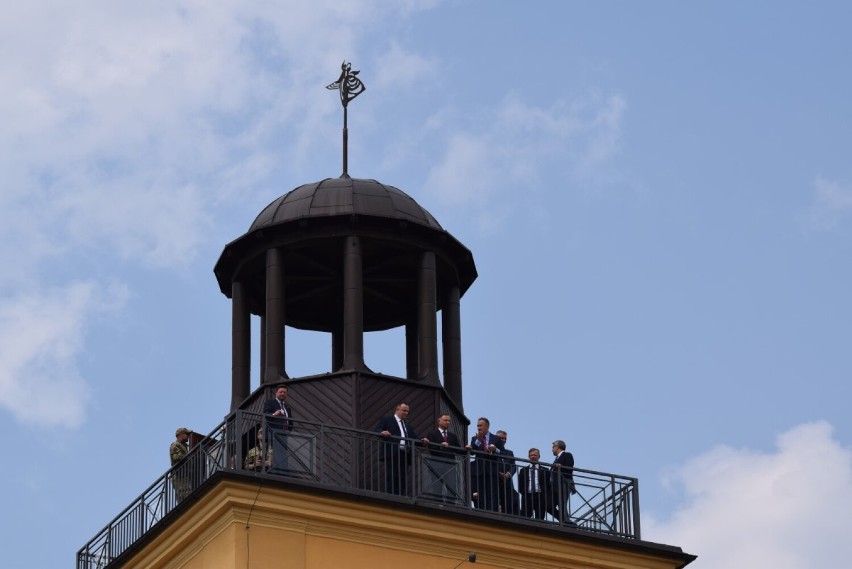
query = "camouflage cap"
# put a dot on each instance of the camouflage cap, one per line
(181, 431)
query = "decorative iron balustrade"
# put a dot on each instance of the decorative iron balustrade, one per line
(363, 462)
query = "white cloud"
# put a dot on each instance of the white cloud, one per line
(160, 226)
(117, 107)
(789, 509)
(485, 168)
(832, 204)
(398, 67)
(102, 113)
(128, 129)
(467, 173)
(41, 335)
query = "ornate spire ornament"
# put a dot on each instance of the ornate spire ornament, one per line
(349, 87)
(348, 84)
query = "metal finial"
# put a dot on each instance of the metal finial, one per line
(348, 84)
(349, 87)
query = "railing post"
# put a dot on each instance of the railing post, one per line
(560, 499)
(468, 483)
(413, 469)
(634, 502)
(238, 441)
(321, 454)
(109, 543)
(142, 526)
(614, 524)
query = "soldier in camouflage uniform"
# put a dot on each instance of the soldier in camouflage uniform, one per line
(177, 452)
(254, 458)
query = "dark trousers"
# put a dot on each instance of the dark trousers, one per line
(488, 489)
(508, 497)
(396, 470)
(534, 505)
(560, 510)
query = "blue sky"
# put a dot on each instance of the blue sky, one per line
(658, 197)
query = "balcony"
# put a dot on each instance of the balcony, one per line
(362, 463)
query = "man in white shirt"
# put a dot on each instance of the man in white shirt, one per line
(396, 452)
(534, 486)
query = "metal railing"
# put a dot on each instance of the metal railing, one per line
(362, 462)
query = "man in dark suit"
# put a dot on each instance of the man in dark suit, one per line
(279, 409)
(562, 481)
(278, 422)
(534, 486)
(487, 450)
(443, 464)
(396, 449)
(509, 501)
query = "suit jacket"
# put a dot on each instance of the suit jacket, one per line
(435, 441)
(485, 464)
(507, 462)
(543, 480)
(565, 472)
(270, 406)
(390, 424)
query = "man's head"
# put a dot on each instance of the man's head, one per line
(182, 434)
(534, 455)
(558, 446)
(260, 435)
(281, 393)
(502, 435)
(444, 421)
(482, 425)
(402, 410)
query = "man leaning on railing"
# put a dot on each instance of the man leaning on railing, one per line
(443, 462)
(562, 474)
(396, 450)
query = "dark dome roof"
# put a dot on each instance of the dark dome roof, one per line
(306, 226)
(344, 196)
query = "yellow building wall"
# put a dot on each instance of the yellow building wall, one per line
(235, 526)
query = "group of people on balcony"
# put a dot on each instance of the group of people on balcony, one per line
(542, 489)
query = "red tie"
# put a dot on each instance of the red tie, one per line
(444, 434)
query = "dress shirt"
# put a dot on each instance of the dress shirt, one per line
(402, 430)
(534, 478)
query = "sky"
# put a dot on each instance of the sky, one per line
(658, 197)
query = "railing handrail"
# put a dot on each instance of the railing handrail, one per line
(613, 507)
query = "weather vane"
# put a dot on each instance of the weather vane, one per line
(349, 87)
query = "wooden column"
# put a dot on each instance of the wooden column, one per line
(240, 344)
(427, 320)
(353, 304)
(262, 342)
(337, 346)
(275, 317)
(411, 370)
(451, 337)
